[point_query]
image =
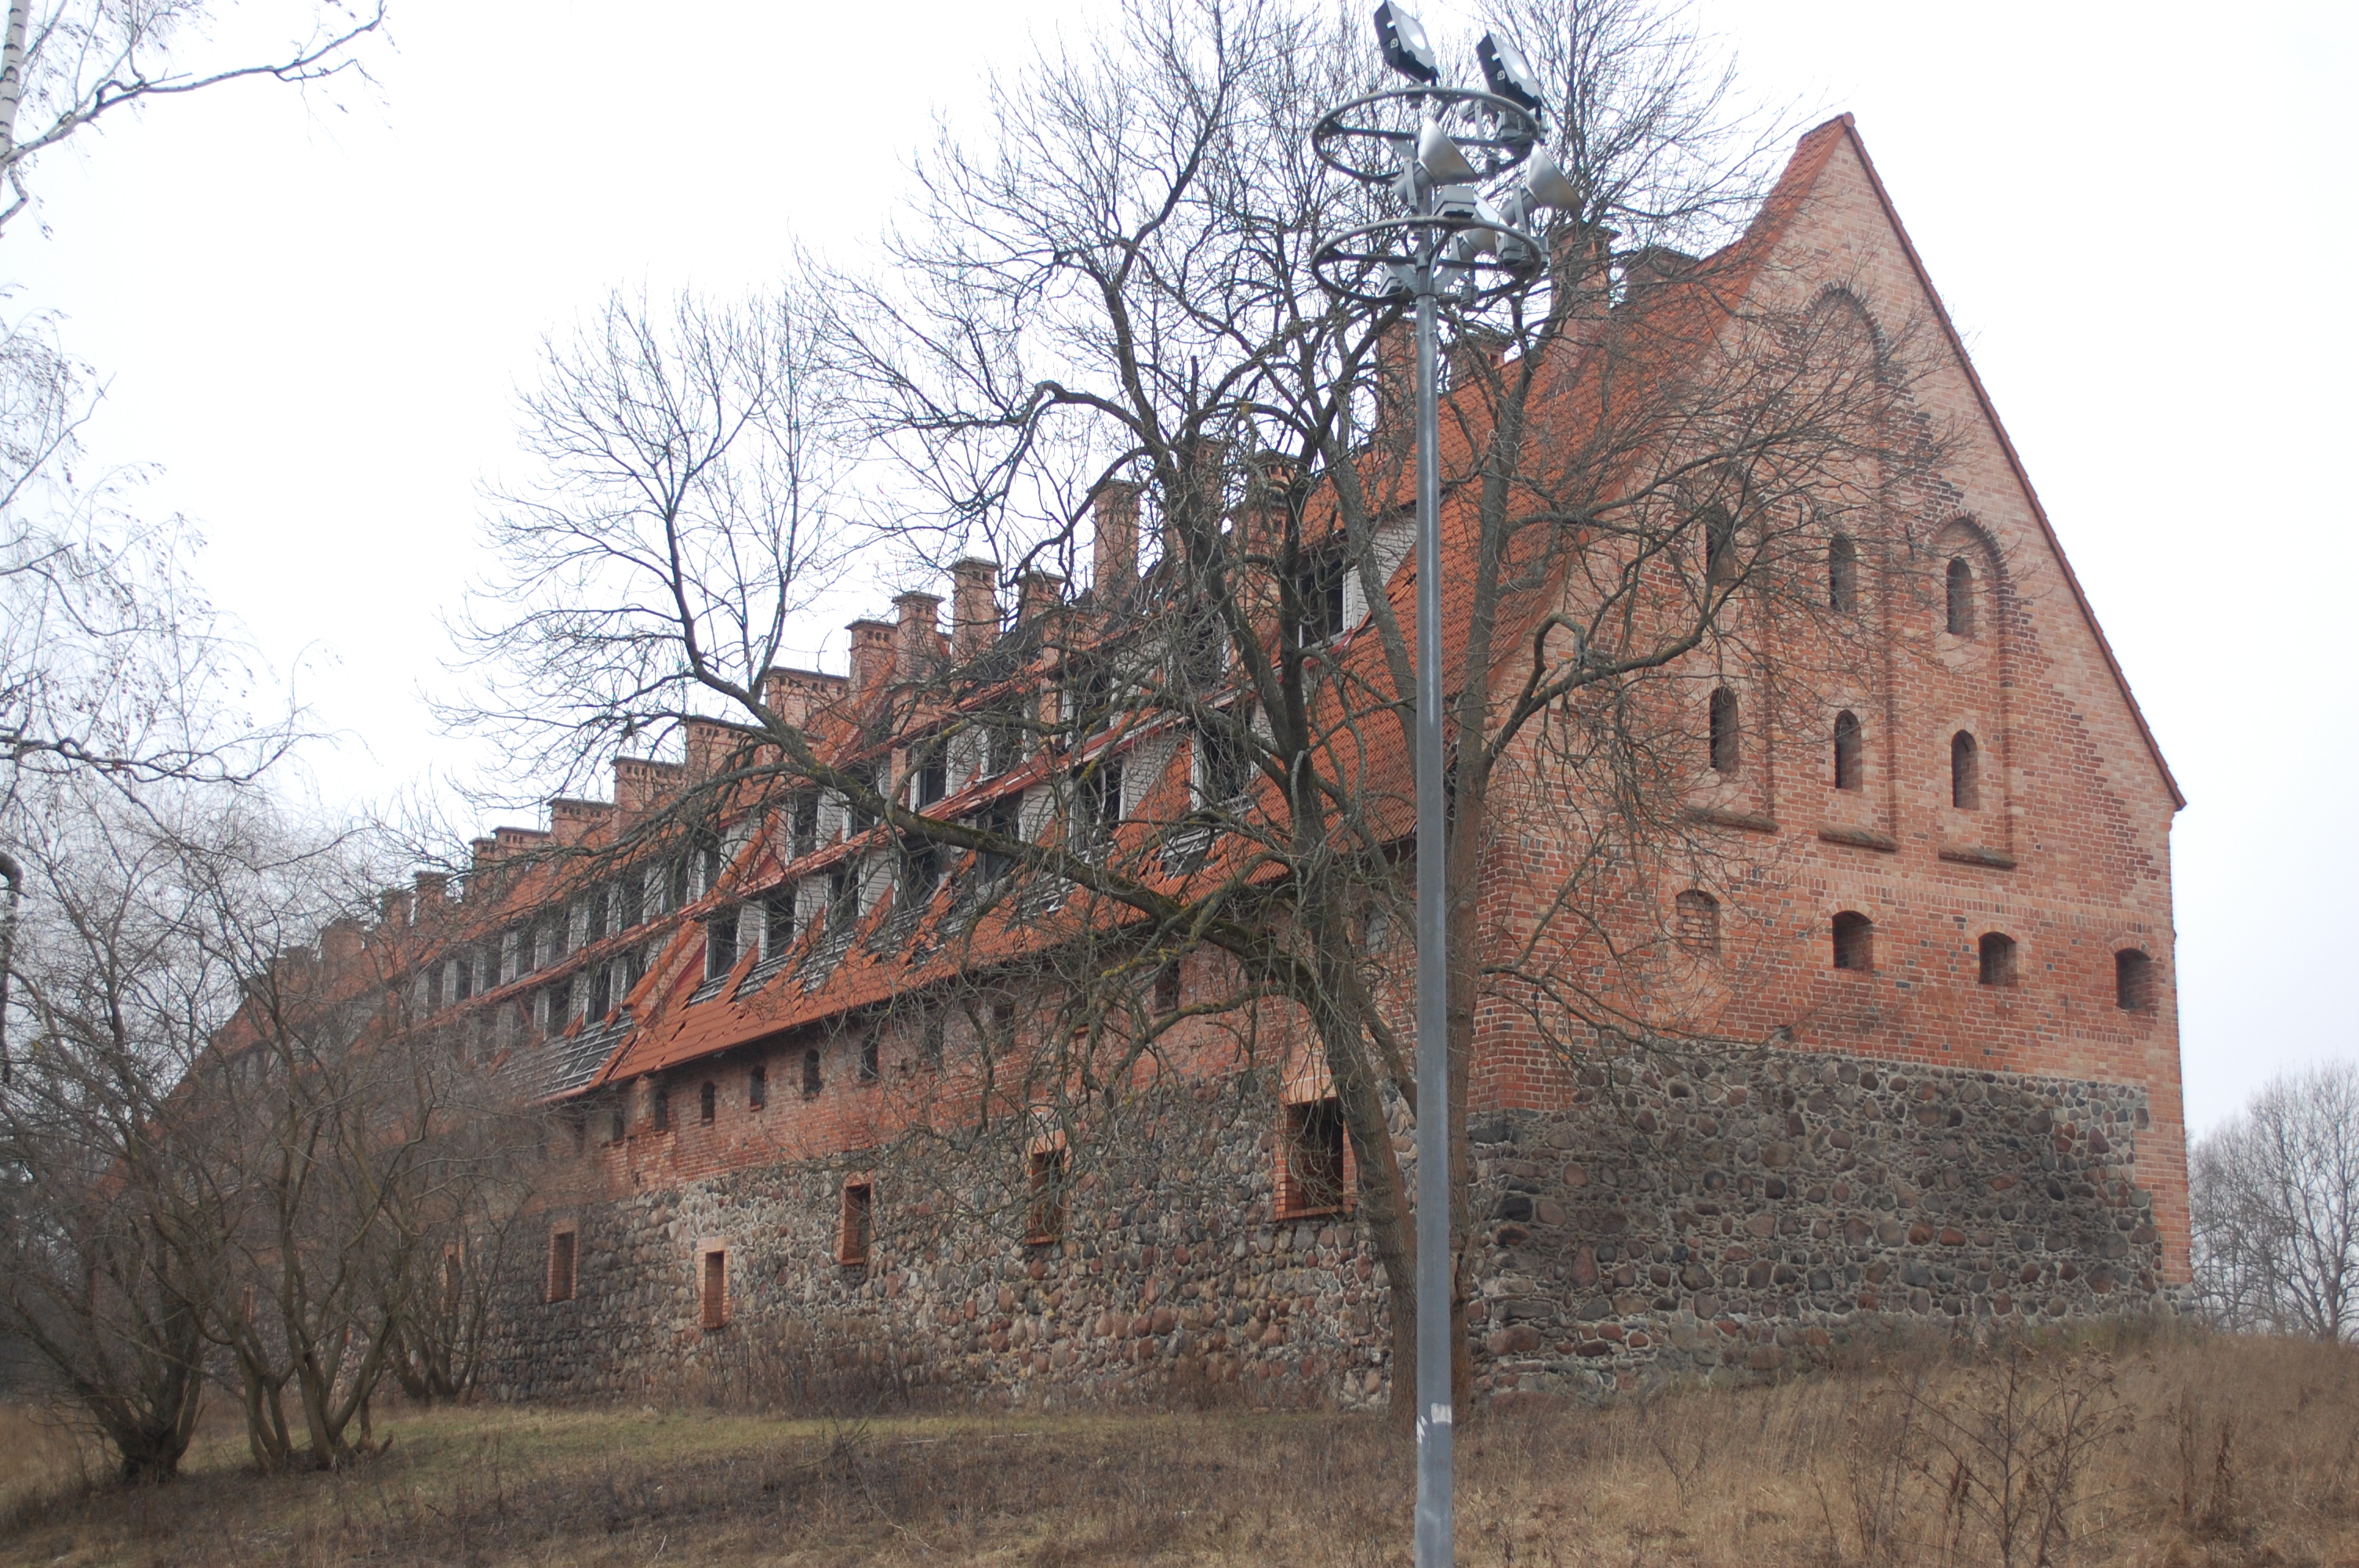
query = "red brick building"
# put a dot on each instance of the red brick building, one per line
(1918, 1047)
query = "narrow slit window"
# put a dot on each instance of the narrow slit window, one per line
(813, 1083)
(871, 1066)
(1847, 751)
(1314, 1158)
(708, 1102)
(856, 1229)
(1167, 986)
(1965, 772)
(715, 1288)
(1720, 546)
(663, 1108)
(1996, 957)
(1842, 573)
(757, 1089)
(1698, 914)
(1725, 749)
(1045, 1212)
(1961, 598)
(562, 1246)
(1855, 941)
(2133, 981)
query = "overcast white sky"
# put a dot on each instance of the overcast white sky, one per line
(2140, 216)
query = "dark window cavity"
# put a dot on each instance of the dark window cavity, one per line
(857, 1227)
(757, 1089)
(721, 943)
(1045, 1216)
(1720, 545)
(663, 1108)
(1842, 573)
(1724, 748)
(1965, 772)
(2132, 980)
(562, 1246)
(1314, 1157)
(870, 1065)
(813, 1083)
(1996, 955)
(708, 1102)
(1855, 941)
(715, 1288)
(1167, 986)
(1847, 749)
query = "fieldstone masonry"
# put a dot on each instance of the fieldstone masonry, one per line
(1688, 1213)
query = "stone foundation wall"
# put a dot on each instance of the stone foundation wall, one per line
(1724, 1214)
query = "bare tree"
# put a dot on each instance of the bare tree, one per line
(1103, 319)
(110, 1251)
(65, 65)
(2275, 1199)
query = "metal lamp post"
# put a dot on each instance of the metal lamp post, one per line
(1438, 148)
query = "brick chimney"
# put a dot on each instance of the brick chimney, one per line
(640, 783)
(570, 821)
(433, 888)
(1115, 511)
(919, 644)
(871, 657)
(797, 695)
(708, 744)
(974, 606)
(393, 907)
(1471, 356)
(1039, 595)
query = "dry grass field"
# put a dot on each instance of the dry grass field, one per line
(2124, 1449)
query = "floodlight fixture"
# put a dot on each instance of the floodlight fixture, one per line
(1509, 73)
(1442, 158)
(1404, 48)
(1545, 183)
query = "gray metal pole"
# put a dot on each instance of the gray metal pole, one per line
(1435, 1525)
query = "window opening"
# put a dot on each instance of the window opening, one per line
(1847, 749)
(1167, 986)
(1002, 730)
(869, 1056)
(593, 916)
(1314, 1157)
(707, 1101)
(463, 976)
(560, 1265)
(930, 1027)
(1720, 545)
(1997, 953)
(777, 921)
(580, 1135)
(663, 1108)
(1318, 596)
(1965, 772)
(757, 1089)
(858, 818)
(1962, 597)
(843, 899)
(716, 1289)
(813, 1083)
(933, 776)
(921, 873)
(1223, 767)
(1698, 920)
(1003, 819)
(2132, 980)
(1045, 1213)
(632, 905)
(802, 819)
(1855, 941)
(560, 1004)
(616, 1126)
(601, 991)
(1097, 804)
(720, 943)
(1842, 573)
(856, 1229)
(1724, 748)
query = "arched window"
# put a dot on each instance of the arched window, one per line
(1997, 959)
(1725, 749)
(1962, 597)
(1842, 573)
(1720, 545)
(2132, 980)
(1965, 772)
(1698, 920)
(1847, 749)
(1855, 941)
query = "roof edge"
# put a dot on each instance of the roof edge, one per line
(2006, 444)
